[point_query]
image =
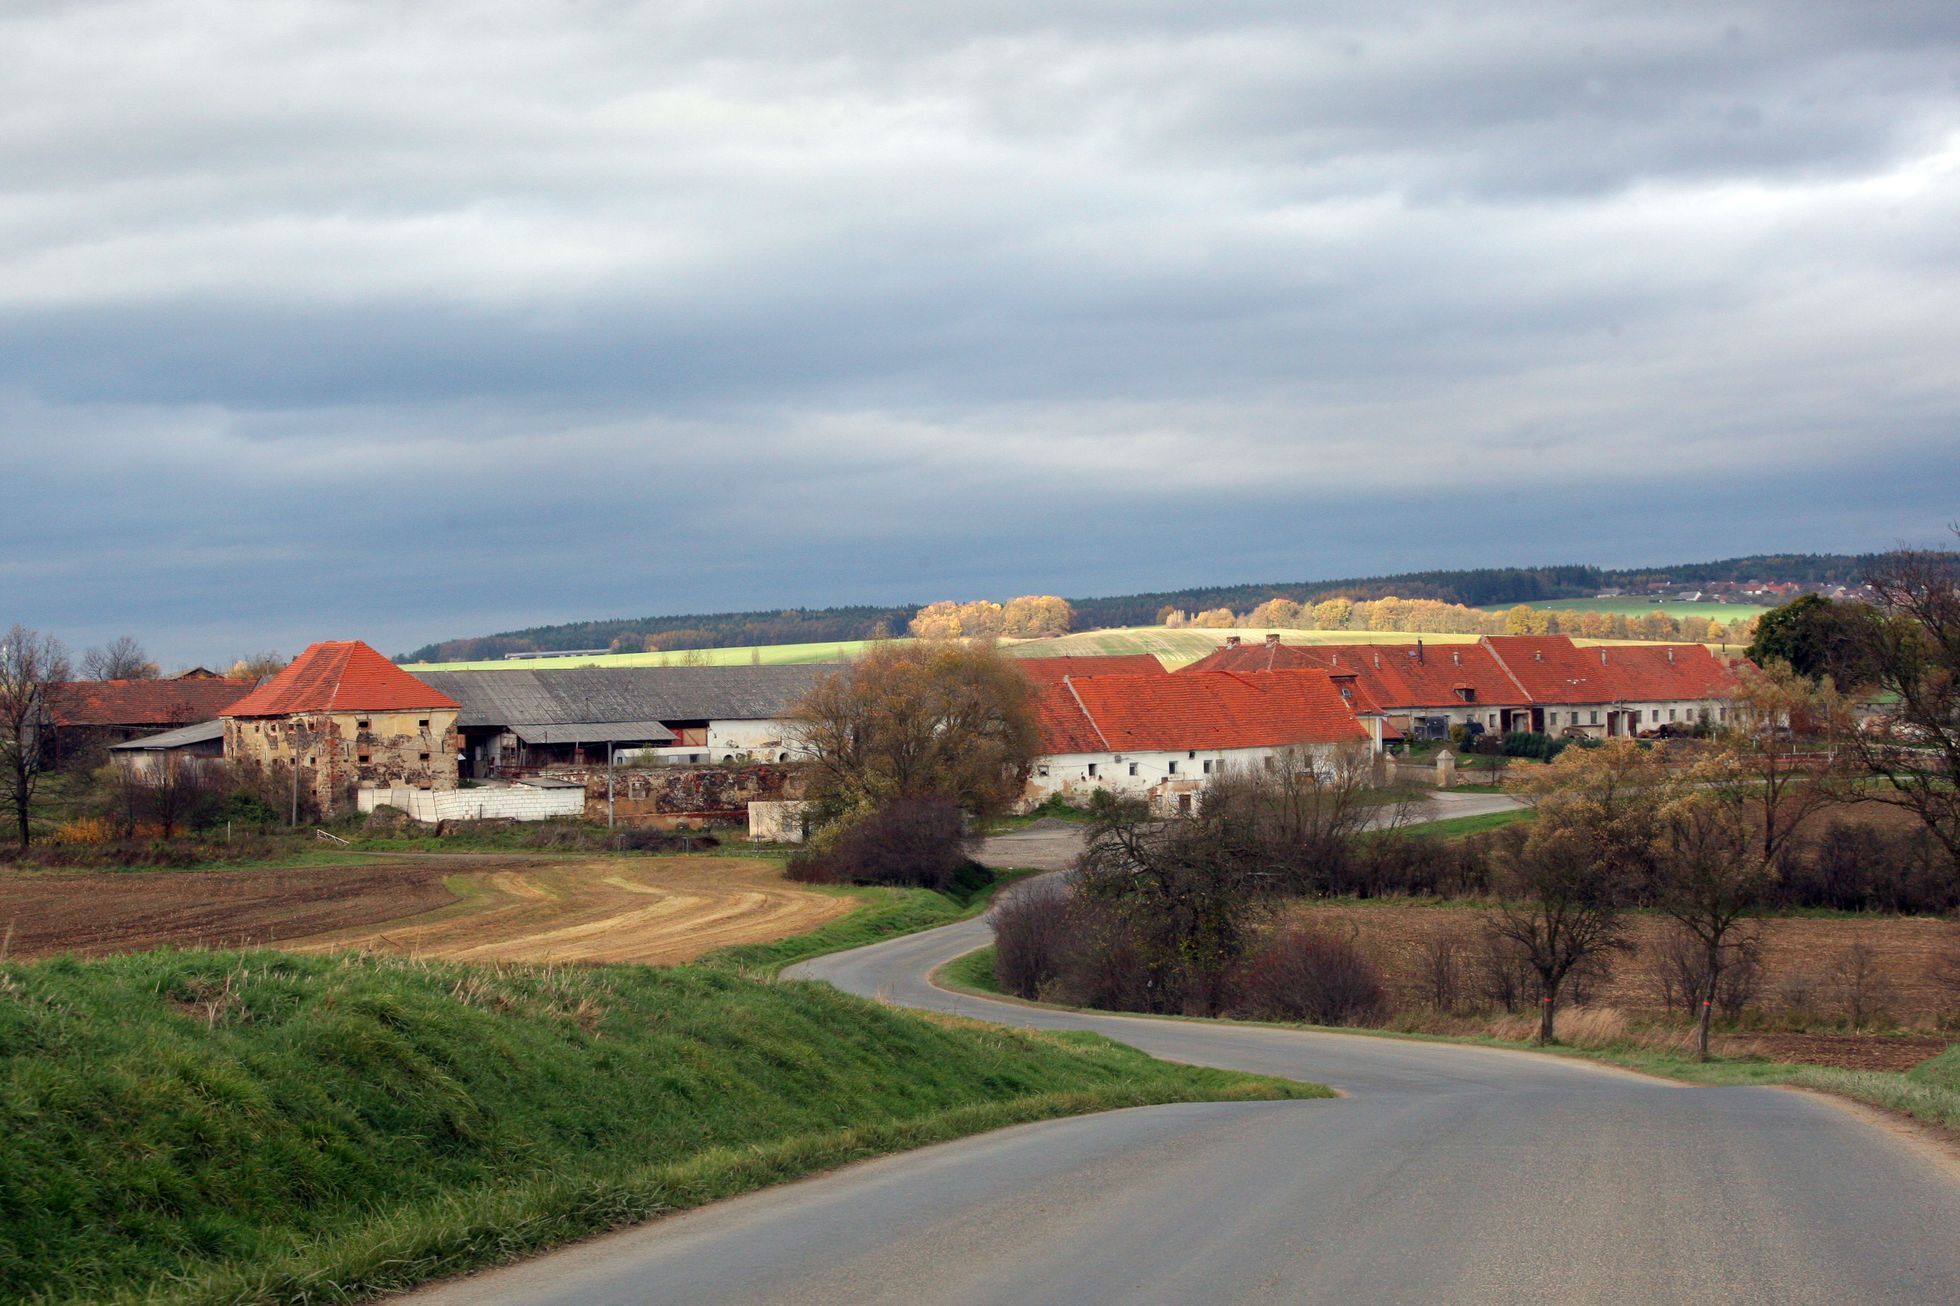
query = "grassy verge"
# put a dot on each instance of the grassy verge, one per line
(259, 1126)
(884, 914)
(1929, 1092)
(1456, 827)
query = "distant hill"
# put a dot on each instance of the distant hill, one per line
(1475, 587)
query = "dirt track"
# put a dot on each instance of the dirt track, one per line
(656, 910)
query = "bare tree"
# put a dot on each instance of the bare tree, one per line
(257, 666)
(122, 658)
(1915, 651)
(1560, 909)
(30, 663)
(1711, 877)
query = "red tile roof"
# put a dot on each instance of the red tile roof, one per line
(1505, 670)
(160, 703)
(1218, 710)
(1115, 664)
(1553, 670)
(339, 676)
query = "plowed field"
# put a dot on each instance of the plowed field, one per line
(657, 910)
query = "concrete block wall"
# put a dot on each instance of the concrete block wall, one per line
(516, 803)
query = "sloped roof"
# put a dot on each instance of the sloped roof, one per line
(204, 732)
(339, 676)
(1553, 670)
(600, 732)
(1399, 676)
(142, 702)
(1115, 664)
(1219, 710)
(1267, 655)
(541, 696)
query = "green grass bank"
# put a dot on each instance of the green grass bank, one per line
(259, 1126)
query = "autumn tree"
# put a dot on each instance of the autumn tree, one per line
(1913, 654)
(1757, 762)
(1565, 879)
(936, 621)
(122, 658)
(1333, 614)
(1213, 619)
(30, 664)
(1711, 875)
(1036, 616)
(1278, 613)
(947, 721)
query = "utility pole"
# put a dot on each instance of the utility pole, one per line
(611, 747)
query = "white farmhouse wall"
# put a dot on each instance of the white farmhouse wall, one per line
(515, 802)
(763, 741)
(1076, 776)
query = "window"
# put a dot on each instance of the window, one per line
(1092, 770)
(1207, 766)
(1171, 768)
(1133, 768)
(1041, 771)
(1721, 714)
(364, 759)
(1670, 714)
(364, 724)
(423, 756)
(1551, 718)
(1193, 754)
(1595, 719)
(423, 723)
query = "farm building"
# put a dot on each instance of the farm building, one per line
(1512, 682)
(87, 715)
(514, 721)
(349, 719)
(152, 754)
(1164, 737)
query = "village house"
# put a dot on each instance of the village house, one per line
(1164, 737)
(83, 717)
(349, 719)
(1505, 683)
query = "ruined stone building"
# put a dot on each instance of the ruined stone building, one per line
(349, 719)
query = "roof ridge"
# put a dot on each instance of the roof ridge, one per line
(1068, 682)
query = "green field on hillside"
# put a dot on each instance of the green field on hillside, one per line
(1634, 607)
(261, 1126)
(1174, 648)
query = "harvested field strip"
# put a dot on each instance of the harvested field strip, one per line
(658, 911)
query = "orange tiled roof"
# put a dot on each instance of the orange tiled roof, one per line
(142, 702)
(1218, 710)
(1115, 664)
(1553, 670)
(339, 676)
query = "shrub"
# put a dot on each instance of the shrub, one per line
(1861, 990)
(919, 842)
(1053, 944)
(1532, 743)
(1682, 963)
(1413, 864)
(1033, 937)
(1314, 976)
(1440, 969)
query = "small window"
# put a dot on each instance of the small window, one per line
(1670, 714)
(1193, 754)
(424, 723)
(1266, 762)
(1133, 768)
(423, 756)
(1207, 766)
(1721, 714)
(364, 759)
(782, 757)
(364, 724)
(1595, 718)
(1172, 769)
(1092, 770)
(1041, 771)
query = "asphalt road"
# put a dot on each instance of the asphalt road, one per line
(1447, 1174)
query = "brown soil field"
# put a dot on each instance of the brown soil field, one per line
(659, 911)
(1914, 959)
(479, 908)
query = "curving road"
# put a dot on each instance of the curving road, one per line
(1447, 1174)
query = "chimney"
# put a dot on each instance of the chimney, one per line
(1602, 657)
(1456, 657)
(1378, 661)
(1231, 641)
(1419, 657)
(1537, 655)
(1670, 654)
(1272, 638)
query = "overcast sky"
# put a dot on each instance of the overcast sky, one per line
(402, 321)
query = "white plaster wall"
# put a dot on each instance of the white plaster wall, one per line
(764, 741)
(1068, 773)
(516, 802)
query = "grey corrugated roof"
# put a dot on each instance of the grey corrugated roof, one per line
(182, 737)
(582, 695)
(593, 732)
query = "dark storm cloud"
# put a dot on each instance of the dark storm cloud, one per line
(323, 318)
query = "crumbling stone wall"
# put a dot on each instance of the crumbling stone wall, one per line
(340, 752)
(674, 797)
